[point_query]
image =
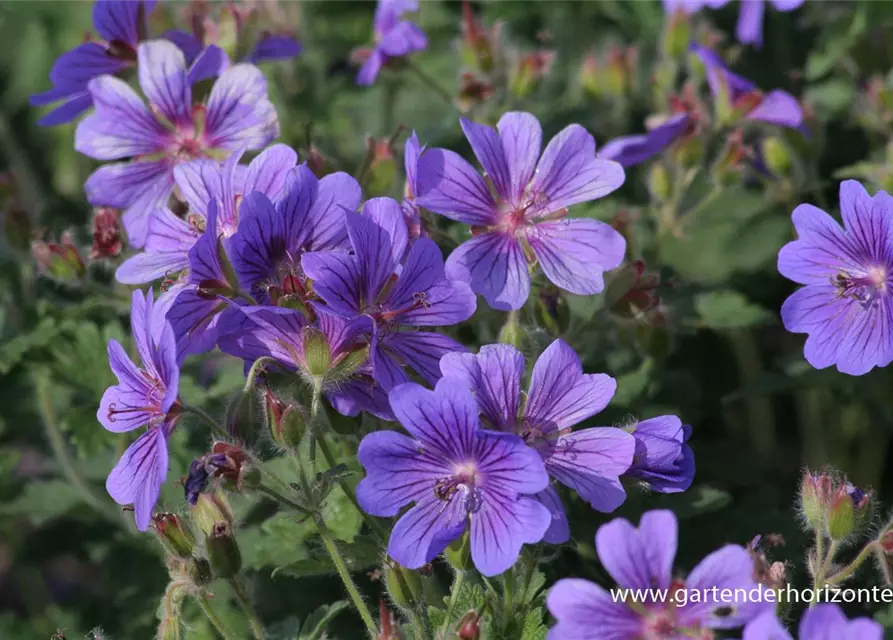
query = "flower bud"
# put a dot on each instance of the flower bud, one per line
(174, 534)
(469, 626)
(383, 167)
(402, 585)
(458, 553)
(60, 260)
(223, 552)
(677, 34)
(106, 234)
(473, 91)
(317, 162)
(287, 422)
(528, 71)
(812, 501)
(211, 508)
(659, 182)
(589, 76)
(345, 367)
(512, 332)
(777, 156)
(317, 356)
(200, 572)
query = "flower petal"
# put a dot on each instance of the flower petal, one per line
(337, 279)
(274, 47)
(337, 192)
(387, 214)
(404, 38)
(209, 63)
(625, 554)
(369, 71)
(493, 264)
(397, 473)
(487, 146)
(239, 113)
(448, 185)
(522, 139)
(124, 407)
(268, 172)
(421, 351)
(116, 20)
(162, 76)
(139, 474)
(373, 242)
(585, 611)
(779, 108)
(569, 172)
(121, 126)
(424, 531)
(767, 627)
(561, 395)
(868, 222)
(821, 251)
(75, 104)
(494, 375)
(590, 462)
(559, 530)
(750, 23)
(574, 254)
(261, 241)
(629, 151)
(501, 527)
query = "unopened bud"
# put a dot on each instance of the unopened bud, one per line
(211, 508)
(812, 501)
(777, 156)
(659, 182)
(469, 626)
(223, 552)
(60, 260)
(512, 332)
(677, 34)
(287, 422)
(528, 72)
(382, 169)
(348, 365)
(106, 234)
(174, 534)
(402, 585)
(317, 162)
(317, 355)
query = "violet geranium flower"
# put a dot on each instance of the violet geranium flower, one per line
(642, 559)
(143, 397)
(170, 131)
(411, 154)
(285, 334)
(457, 475)
(169, 237)
(589, 461)
(663, 461)
(749, 29)
(396, 288)
(845, 307)
(121, 24)
(394, 38)
(629, 151)
(742, 97)
(525, 220)
(822, 622)
(268, 246)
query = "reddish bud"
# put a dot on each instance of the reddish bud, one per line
(106, 234)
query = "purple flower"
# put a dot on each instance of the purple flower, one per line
(560, 396)
(458, 477)
(284, 334)
(663, 460)
(629, 151)
(269, 47)
(147, 397)
(169, 132)
(742, 97)
(845, 307)
(169, 238)
(121, 25)
(642, 558)
(824, 621)
(396, 288)
(750, 20)
(411, 155)
(271, 239)
(394, 38)
(526, 217)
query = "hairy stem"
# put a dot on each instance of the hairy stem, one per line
(852, 567)
(340, 566)
(257, 627)
(214, 619)
(454, 596)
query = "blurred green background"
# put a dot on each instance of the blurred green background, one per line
(69, 559)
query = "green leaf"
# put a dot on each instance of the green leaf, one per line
(361, 554)
(315, 625)
(723, 310)
(534, 627)
(15, 350)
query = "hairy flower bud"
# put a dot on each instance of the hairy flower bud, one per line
(469, 626)
(60, 260)
(402, 585)
(223, 552)
(174, 534)
(200, 572)
(287, 422)
(777, 156)
(317, 355)
(211, 508)
(677, 34)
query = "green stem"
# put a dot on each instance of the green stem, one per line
(329, 542)
(257, 627)
(431, 83)
(821, 561)
(63, 456)
(508, 579)
(214, 619)
(255, 369)
(216, 429)
(284, 500)
(852, 567)
(454, 597)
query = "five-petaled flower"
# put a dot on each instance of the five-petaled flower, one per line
(824, 621)
(170, 131)
(846, 306)
(458, 476)
(642, 559)
(525, 221)
(143, 397)
(590, 461)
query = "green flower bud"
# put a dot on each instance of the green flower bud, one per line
(287, 422)
(210, 508)
(659, 182)
(223, 552)
(402, 585)
(512, 332)
(200, 572)
(174, 534)
(347, 366)
(777, 156)
(841, 518)
(317, 354)
(677, 35)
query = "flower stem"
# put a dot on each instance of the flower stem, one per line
(255, 370)
(431, 83)
(217, 430)
(214, 619)
(257, 628)
(286, 501)
(852, 567)
(508, 579)
(329, 542)
(454, 596)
